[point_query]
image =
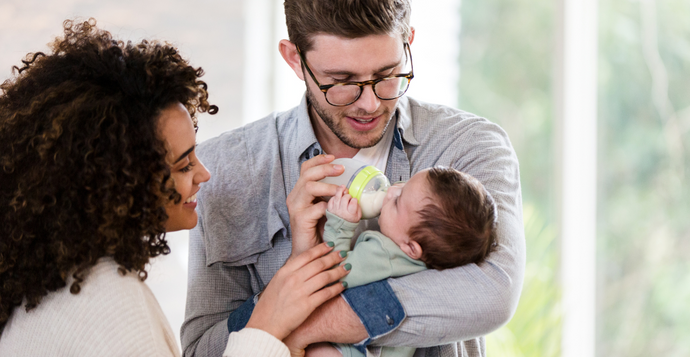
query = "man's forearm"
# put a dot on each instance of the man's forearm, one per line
(334, 321)
(452, 305)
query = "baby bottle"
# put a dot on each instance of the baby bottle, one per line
(365, 183)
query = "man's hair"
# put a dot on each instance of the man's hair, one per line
(83, 170)
(345, 18)
(459, 226)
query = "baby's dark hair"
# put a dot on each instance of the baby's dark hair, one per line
(459, 226)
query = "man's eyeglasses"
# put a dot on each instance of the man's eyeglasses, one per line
(343, 94)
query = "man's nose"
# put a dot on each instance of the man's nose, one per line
(368, 101)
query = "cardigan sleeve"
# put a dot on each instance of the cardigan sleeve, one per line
(251, 342)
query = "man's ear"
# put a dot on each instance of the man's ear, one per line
(289, 52)
(412, 249)
(411, 38)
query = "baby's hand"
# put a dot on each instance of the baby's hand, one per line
(345, 206)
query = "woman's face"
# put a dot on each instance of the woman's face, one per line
(177, 130)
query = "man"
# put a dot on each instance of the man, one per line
(263, 201)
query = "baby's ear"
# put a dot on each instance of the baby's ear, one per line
(412, 249)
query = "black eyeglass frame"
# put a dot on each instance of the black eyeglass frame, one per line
(325, 87)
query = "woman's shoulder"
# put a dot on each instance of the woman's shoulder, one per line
(113, 314)
(107, 281)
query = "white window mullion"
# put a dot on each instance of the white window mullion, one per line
(577, 145)
(436, 51)
(259, 49)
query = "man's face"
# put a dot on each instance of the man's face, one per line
(335, 59)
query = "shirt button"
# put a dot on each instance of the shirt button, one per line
(316, 152)
(389, 320)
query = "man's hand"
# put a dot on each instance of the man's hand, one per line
(304, 202)
(345, 206)
(333, 321)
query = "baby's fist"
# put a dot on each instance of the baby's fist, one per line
(345, 206)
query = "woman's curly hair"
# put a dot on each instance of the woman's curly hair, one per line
(83, 171)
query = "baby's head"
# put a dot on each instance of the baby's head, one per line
(441, 216)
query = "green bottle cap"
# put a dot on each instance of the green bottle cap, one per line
(361, 179)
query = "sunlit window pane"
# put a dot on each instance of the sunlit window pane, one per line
(644, 196)
(506, 75)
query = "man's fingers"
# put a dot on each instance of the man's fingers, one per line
(318, 167)
(315, 161)
(318, 210)
(314, 212)
(320, 172)
(308, 188)
(318, 189)
(311, 174)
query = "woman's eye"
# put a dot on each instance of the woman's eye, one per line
(187, 168)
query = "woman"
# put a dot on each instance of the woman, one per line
(97, 156)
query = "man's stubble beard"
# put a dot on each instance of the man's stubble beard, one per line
(337, 129)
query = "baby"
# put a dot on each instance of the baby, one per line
(440, 219)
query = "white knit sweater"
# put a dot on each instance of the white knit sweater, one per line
(113, 315)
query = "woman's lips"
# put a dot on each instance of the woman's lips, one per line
(190, 202)
(191, 199)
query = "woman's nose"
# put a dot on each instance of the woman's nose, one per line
(203, 175)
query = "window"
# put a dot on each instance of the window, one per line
(507, 64)
(598, 92)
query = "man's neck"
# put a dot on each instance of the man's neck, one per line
(329, 142)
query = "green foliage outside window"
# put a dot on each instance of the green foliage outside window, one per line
(535, 328)
(644, 196)
(508, 64)
(506, 60)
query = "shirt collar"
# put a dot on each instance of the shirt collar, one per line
(405, 121)
(305, 132)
